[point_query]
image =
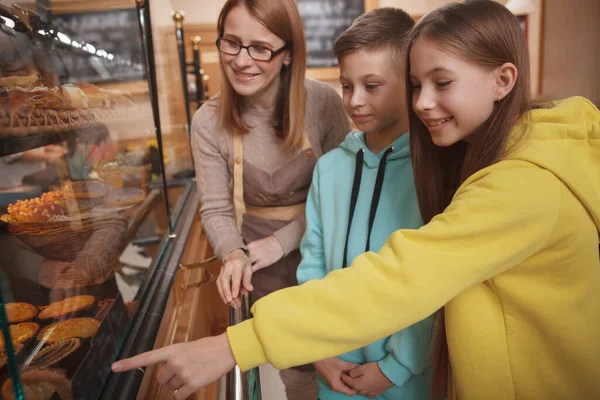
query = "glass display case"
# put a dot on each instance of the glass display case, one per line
(95, 201)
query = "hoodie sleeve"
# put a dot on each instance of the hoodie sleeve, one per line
(499, 217)
(312, 265)
(408, 352)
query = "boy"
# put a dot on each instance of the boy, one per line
(360, 194)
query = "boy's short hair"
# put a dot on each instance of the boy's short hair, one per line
(385, 28)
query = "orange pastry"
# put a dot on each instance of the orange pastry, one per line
(4, 357)
(71, 328)
(20, 312)
(38, 209)
(67, 306)
(20, 333)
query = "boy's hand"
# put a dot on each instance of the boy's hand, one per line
(265, 252)
(368, 380)
(332, 370)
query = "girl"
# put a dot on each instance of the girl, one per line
(511, 194)
(264, 134)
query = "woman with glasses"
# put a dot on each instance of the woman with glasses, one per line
(255, 146)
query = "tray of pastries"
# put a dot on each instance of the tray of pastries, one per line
(27, 106)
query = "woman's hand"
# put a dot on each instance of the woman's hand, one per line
(187, 367)
(235, 274)
(265, 252)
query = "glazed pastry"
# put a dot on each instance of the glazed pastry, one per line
(40, 384)
(20, 312)
(39, 98)
(55, 352)
(67, 306)
(73, 97)
(71, 328)
(21, 82)
(20, 333)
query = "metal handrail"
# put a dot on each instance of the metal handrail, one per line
(242, 385)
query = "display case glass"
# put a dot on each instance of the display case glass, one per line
(90, 193)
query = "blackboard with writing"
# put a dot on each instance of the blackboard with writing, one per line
(99, 46)
(324, 21)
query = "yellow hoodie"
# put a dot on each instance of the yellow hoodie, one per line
(514, 258)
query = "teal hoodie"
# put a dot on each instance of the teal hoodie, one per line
(402, 357)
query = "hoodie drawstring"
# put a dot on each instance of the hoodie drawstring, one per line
(360, 156)
(374, 200)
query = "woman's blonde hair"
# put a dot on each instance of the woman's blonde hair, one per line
(282, 18)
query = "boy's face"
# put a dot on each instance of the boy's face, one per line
(374, 92)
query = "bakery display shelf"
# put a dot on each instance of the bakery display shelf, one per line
(28, 130)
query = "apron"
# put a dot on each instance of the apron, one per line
(265, 202)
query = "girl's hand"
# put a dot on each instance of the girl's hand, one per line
(332, 370)
(187, 367)
(265, 252)
(368, 380)
(236, 273)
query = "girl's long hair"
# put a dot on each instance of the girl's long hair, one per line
(487, 34)
(282, 18)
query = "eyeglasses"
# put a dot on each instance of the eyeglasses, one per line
(258, 53)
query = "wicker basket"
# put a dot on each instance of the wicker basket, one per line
(125, 176)
(71, 240)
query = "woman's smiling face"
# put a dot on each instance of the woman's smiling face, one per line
(251, 78)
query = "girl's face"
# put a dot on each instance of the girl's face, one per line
(251, 78)
(451, 96)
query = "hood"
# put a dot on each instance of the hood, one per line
(565, 140)
(356, 141)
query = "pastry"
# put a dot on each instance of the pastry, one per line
(97, 98)
(73, 97)
(71, 328)
(124, 197)
(20, 333)
(38, 209)
(21, 82)
(40, 384)
(53, 353)
(39, 98)
(20, 312)
(4, 357)
(67, 306)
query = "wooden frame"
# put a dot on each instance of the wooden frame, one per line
(331, 74)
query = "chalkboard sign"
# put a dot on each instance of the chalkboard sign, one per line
(324, 21)
(99, 46)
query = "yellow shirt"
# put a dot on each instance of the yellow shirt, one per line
(514, 259)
